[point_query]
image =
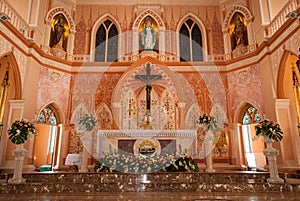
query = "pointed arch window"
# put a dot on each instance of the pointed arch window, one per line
(106, 47)
(190, 42)
(252, 115)
(47, 116)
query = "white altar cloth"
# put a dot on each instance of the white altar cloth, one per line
(73, 159)
(186, 139)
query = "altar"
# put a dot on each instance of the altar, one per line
(146, 142)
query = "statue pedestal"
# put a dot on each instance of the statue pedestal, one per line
(208, 146)
(58, 52)
(19, 153)
(84, 165)
(271, 155)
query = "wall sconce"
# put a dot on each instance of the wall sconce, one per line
(4, 16)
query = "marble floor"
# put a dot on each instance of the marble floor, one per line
(153, 196)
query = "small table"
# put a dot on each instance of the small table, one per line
(74, 160)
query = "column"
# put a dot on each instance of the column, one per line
(116, 106)
(181, 111)
(136, 42)
(162, 41)
(287, 118)
(250, 32)
(46, 45)
(227, 42)
(70, 45)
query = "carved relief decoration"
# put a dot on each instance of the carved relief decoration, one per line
(217, 37)
(80, 38)
(53, 87)
(234, 9)
(84, 89)
(53, 12)
(105, 88)
(244, 86)
(151, 13)
(200, 91)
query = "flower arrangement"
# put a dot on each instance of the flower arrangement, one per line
(19, 131)
(87, 122)
(270, 129)
(208, 120)
(131, 163)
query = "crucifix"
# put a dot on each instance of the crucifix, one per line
(148, 79)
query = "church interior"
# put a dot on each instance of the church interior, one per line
(97, 77)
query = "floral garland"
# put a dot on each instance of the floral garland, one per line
(87, 122)
(18, 133)
(208, 120)
(270, 129)
(131, 163)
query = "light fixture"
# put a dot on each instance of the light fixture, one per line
(293, 15)
(4, 16)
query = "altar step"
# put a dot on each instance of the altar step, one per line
(52, 182)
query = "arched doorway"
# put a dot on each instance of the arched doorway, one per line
(45, 149)
(253, 149)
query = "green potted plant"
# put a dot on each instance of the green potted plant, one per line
(18, 134)
(270, 129)
(19, 131)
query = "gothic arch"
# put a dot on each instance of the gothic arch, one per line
(238, 8)
(117, 91)
(57, 111)
(191, 116)
(104, 116)
(280, 76)
(239, 113)
(96, 26)
(16, 74)
(151, 13)
(70, 39)
(59, 10)
(202, 28)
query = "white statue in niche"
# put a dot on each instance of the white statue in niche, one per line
(148, 38)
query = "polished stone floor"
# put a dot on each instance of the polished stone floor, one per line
(162, 196)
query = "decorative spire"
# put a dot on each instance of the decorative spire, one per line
(125, 20)
(172, 24)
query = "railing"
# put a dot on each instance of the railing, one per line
(280, 18)
(14, 18)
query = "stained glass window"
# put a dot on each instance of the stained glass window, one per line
(252, 115)
(47, 116)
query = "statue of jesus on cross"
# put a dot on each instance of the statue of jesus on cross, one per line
(148, 79)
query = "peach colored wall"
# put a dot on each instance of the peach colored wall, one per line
(53, 86)
(268, 87)
(30, 88)
(21, 7)
(41, 144)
